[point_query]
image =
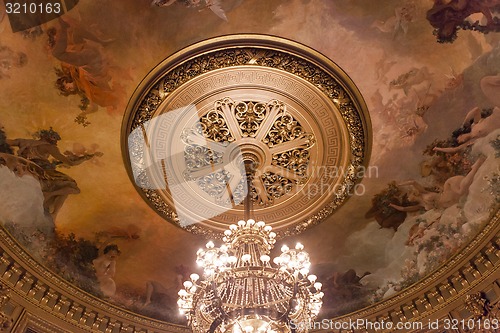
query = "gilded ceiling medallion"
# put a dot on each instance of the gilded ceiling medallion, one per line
(201, 114)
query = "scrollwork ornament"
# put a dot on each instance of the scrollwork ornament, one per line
(276, 186)
(215, 183)
(249, 116)
(284, 129)
(197, 157)
(213, 126)
(5, 321)
(296, 160)
(484, 314)
(476, 304)
(258, 59)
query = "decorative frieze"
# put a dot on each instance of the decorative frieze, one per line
(467, 287)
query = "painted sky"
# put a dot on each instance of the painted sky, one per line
(361, 36)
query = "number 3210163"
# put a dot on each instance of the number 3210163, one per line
(32, 8)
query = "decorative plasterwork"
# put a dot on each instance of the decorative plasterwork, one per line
(253, 97)
(483, 312)
(37, 289)
(5, 320)
(440, 292)
(279, 151)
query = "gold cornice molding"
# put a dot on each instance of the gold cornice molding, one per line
(39, 289)
(45, 295)
(473, 268)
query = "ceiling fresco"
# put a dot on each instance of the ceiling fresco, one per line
(429, 74)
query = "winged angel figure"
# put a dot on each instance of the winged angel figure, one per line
(213, 5)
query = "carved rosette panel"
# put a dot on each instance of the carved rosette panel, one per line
(206, 109)
(261, 125)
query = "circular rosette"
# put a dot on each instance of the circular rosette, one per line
(202, 116)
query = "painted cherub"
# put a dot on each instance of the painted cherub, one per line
(105, 269)
(84, 71)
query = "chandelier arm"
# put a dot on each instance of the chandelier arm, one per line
(250, 172)
(222, 314)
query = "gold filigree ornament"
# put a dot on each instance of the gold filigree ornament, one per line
(208, 112)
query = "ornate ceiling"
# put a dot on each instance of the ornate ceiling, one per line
(125, 126)
(207, 109)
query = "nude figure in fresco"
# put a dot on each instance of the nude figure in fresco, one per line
(453, 189)
(33, 156)
(105, 270)
(155, 291)
(83, 70)
(399, 22)
(479, 128)
(158, 294)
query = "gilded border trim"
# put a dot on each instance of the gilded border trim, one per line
(42, 290)
(261, 51)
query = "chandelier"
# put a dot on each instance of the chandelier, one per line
(241, 291)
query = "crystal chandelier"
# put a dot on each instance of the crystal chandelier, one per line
(243, 292)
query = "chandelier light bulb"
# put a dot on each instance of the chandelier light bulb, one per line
(285, 258)
(265, 258)
(284, 248)
(299, 246)
(194, 277)
(261, 224)
(227, 232)
(318, 285)
(268, 228)
(312, 278)
(241, 223)
(210, 245)
(272, 235)
(251, 222)
(209, 256)
(233, 227)
(188, 284)
(246, 257)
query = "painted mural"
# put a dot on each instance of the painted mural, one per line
(428, 70)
